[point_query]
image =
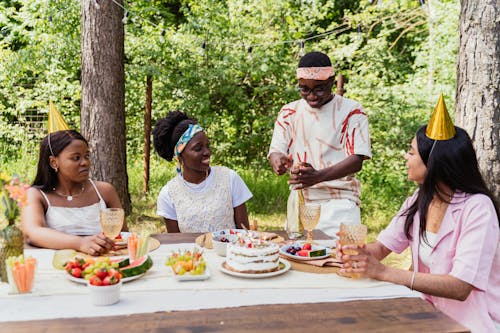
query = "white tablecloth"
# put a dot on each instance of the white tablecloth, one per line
(54, 296)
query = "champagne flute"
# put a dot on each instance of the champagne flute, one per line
(112, 221)
(309, 217)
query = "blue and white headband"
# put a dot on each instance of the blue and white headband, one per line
(188, 134)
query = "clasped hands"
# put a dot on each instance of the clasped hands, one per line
(302, 175)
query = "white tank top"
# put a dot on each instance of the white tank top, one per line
(426, 249)
(82, 221)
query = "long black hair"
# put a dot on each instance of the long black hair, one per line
(167, 132)
(452, 162)
(52, 145)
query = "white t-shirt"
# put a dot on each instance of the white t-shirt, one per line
(239, 193)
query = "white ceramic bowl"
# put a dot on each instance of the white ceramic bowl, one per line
(220, 247)
(104, 295)
(217, 236)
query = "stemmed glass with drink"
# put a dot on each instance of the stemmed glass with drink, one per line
(112, 221)
(352, 235)
(309, 217)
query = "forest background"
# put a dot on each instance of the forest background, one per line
(231, 64)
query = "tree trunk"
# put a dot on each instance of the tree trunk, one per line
(103, 93)
(147, 131)
(478, 84)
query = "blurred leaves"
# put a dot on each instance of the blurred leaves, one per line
(396, 57)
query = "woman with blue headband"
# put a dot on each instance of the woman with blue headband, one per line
(200, 198)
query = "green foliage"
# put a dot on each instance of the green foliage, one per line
(396, 57)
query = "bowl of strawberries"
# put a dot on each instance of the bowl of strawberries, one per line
(104, 285)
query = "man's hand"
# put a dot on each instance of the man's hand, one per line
(304, 175)
(280, 162)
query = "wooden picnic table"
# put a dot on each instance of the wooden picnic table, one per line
(382, 315)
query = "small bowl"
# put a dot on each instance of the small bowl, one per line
(220, 247)
(221, 238)
(104, 295)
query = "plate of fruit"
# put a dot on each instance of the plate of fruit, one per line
(305, 251)
(188, 265)
(102, 270)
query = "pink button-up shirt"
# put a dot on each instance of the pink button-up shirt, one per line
(467, 248)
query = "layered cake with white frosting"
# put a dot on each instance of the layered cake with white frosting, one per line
(252, 256)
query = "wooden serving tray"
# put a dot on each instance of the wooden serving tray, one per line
(153, 245)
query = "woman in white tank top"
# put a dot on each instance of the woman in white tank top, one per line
(63, 203)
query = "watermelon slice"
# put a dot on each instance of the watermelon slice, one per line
(317, 253)
(137, 267)
(122, 262)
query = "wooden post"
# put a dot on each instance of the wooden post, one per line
(340, 85)
(147, 132)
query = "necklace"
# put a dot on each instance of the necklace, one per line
(195, 188)
(70, 197)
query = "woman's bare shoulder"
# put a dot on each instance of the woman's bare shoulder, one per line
(34, 193)
(104, 187)
(108, 193)
(36, 198)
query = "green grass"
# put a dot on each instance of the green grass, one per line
(267, 207)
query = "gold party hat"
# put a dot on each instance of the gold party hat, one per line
(440, 127)
(56, 121)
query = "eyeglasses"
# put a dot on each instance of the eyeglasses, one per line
(316, 91)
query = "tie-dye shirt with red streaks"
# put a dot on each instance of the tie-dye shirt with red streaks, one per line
(324, 137)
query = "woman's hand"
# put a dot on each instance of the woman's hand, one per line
(362, 263)
(304, 176)
(96, 245)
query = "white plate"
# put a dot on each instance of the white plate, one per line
(189, 277)
(297, 257)
(121, 243)
(227, 232)
(284, 267)
(83, 281)
(125, 235)
(331, 243)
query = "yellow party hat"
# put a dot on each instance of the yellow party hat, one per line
(440, 127)
(56, 121)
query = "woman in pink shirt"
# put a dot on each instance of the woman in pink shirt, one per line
(451, 224)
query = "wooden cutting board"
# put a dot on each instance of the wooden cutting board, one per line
(302, 267)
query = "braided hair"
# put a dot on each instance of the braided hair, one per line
(167, 132)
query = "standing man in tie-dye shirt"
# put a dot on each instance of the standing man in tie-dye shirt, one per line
(327, 136)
